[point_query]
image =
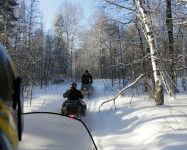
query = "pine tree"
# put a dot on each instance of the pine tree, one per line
(7, 20)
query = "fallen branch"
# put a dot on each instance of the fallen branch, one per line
(41, 105)
(166, 84)
(124, 89)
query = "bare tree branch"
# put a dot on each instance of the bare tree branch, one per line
(113, 3)
(124, 23)
(124, 89)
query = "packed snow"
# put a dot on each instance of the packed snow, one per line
(136, 123)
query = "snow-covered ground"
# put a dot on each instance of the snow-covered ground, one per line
(139, 125)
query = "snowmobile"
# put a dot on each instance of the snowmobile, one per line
(74, 109)
(87, 89)
(48, 130)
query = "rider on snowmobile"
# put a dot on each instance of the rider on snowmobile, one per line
(73, 94)
(86, 78)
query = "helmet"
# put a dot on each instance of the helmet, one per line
(10, 103)
(73, 85)
(86, 71)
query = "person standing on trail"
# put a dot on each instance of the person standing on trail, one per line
(87, 78)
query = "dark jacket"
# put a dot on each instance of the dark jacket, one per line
(73, 94)
(86, 78)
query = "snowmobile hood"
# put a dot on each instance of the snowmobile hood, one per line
(45, 130)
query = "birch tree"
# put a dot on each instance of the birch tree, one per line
(142, 13)
(30, 52)
(67, 20)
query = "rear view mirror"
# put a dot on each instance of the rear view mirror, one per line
(18, 100)
(54, 131)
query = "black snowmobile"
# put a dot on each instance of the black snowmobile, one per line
(87, 89)
(74, 109)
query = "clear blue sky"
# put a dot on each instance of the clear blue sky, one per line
(50, 8)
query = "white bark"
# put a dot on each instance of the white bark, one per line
(146, 23)
(166, 85)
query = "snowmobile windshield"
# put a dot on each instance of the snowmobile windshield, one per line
(56, 132)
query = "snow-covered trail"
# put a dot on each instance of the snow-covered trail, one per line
(140, 125)
(93, 103)
(50, 99)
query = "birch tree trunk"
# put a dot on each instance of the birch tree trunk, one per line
(145, 22)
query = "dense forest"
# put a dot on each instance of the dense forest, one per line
(125, 39)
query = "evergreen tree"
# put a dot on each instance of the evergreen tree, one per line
(7, 21)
